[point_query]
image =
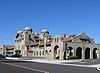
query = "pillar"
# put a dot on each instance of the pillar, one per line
(74, 51)
(91, 54)
(98, 54)
(83, 54)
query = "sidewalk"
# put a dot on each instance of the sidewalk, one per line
(42, 60)
(59, 62)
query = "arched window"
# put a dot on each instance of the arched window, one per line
(37, 53)
(43, 52)
(46, 52)
(55, 49)
(40, 53)
(49, 51)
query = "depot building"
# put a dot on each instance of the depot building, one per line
(63, 47)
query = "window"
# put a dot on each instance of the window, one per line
(22, 38)
(40, 53)
(43, 52)
(17, 35)
(26, 32)
(46, 52)
(37, 53)
(49, 51)
(48, 45)
(29, 37)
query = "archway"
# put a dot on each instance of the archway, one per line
(70, 49)
(79, 53)
(87, 53)
(64, 57)
(95, 53)
(55, 52)
(68, 52)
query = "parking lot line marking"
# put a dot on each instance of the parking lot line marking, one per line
(27, 68)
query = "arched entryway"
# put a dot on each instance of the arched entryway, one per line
(95, 53)
(64, 57)
(55, 52)
(68, 52)
(79, 53)
(87, 53)
(70, 49)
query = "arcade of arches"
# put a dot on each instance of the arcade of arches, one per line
(69, 52)
(80, 53)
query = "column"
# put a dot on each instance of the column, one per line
(74, 51)
(91, 54)
(98, 54)
(83, 54)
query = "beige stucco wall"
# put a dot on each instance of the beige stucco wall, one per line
(49, 51)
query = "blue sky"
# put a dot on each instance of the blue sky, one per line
(59, 16)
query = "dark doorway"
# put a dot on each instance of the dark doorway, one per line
(64, 57)
(79, 53)
(70, 51)
(87, 53)
(55, 52)
(94, 53)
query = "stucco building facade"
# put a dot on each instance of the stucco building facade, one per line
(63, 47)
(7, 50)
(2, 50)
